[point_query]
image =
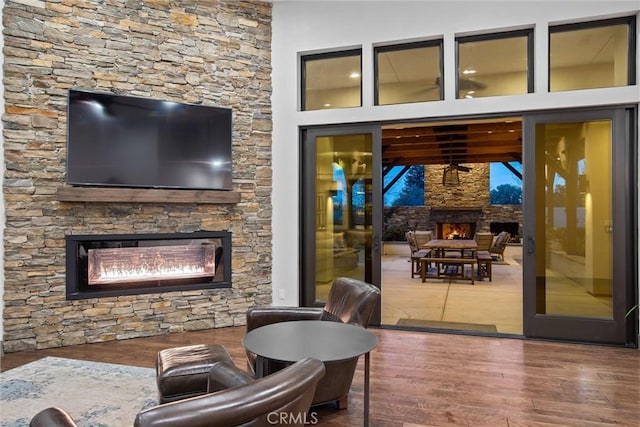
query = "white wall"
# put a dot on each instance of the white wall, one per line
(308, 26)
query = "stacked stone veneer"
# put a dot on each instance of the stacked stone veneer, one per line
(210, 52)
(473, 191)
(467, 202)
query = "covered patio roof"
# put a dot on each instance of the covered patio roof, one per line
(480, 141)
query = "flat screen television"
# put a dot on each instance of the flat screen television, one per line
(126, 141)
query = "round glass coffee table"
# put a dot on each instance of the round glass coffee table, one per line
(323, 340)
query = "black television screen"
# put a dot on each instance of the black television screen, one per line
(126, 141)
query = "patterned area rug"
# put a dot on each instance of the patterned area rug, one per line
(94, 394)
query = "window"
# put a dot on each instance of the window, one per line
(408, 73)
(592, 55)
(505, 183)
(338, 194)
(404, 186)
(332, 80)
(359, 203)
(495, 64)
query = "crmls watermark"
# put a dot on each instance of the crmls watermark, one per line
(290, 418)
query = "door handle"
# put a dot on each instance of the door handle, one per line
(531, 245)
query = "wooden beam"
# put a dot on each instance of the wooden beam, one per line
(394, 180)
(513, 170)
(146, 195)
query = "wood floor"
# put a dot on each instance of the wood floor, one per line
(427, 379)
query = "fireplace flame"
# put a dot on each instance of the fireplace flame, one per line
(456, 230)
(122, 272)
(143, 264)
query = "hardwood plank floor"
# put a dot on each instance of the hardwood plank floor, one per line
(423, 379)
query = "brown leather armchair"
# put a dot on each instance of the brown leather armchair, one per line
(349, 301)
(282, 398)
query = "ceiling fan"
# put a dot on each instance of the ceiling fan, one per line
(468, 84)
(459, 167)
(464, 85)
(450, 176)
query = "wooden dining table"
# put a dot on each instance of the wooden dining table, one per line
(441, 245)
(444, 260)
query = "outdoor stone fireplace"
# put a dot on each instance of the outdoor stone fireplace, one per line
(113, 265)
(469, 204)
(513, 228)
(455, 223)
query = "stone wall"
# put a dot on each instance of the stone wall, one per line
(214, 53)
(473, 190)
(468, 202)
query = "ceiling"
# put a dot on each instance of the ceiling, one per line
(458, 142)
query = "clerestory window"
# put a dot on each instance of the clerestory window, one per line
(592, 55)
(408, 73)
(332, 80)
(495, 64)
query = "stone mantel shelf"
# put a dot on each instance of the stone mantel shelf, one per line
(146, 195)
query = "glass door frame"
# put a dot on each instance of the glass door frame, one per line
(307, 211)
(619, 329)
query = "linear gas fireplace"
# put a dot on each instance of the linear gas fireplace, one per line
(112, 265)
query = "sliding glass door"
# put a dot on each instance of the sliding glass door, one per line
(578, 230)
(341, 209)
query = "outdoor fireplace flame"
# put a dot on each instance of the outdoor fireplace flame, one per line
(140, 264)
(456, 230)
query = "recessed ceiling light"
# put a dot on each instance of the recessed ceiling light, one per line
(354, 75)
(469, 71)
(327, 105)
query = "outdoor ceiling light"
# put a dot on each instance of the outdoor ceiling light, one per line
(450, 176)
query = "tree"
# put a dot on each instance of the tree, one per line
(412, 193)
(559, 195)
(506, 194)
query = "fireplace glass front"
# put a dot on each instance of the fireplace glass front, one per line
(114, 265)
